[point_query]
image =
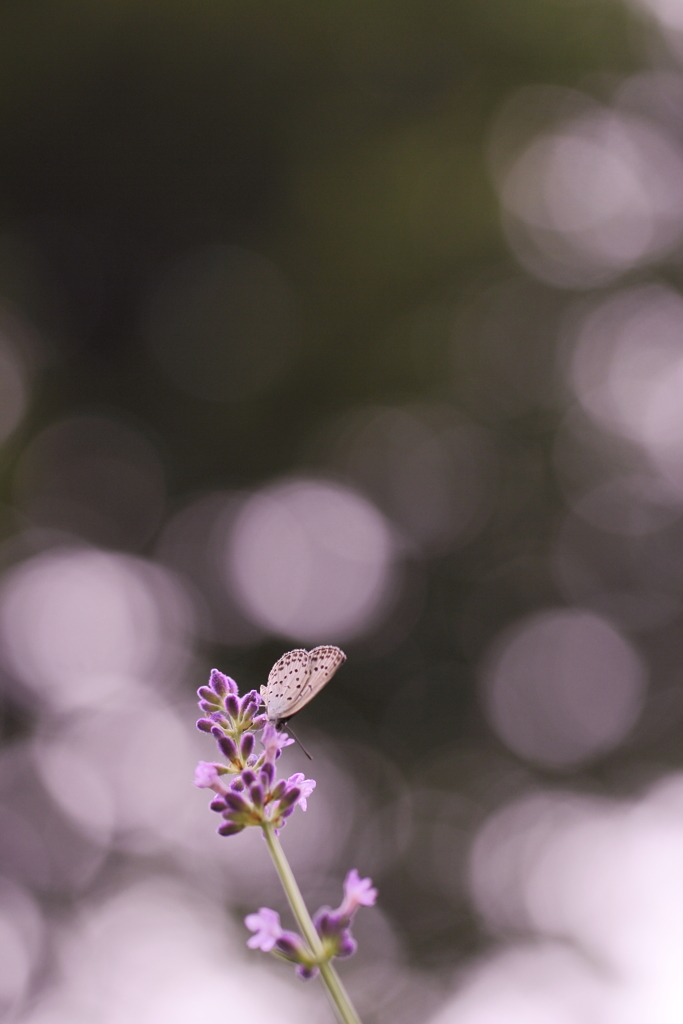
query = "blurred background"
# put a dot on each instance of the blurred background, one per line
(357, 324)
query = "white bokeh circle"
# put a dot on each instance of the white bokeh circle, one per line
(563, 686)
(311, 560)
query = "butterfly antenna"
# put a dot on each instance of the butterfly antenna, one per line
(292, 733)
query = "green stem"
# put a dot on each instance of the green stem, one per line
(330, 978)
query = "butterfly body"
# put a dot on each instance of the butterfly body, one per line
(296, 678)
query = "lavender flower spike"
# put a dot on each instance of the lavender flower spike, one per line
(255, 796)
(248, 793)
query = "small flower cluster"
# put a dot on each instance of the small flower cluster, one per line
(333, 927)
(254, 796)
(231, 720)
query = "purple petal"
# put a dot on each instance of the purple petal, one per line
(267, 929)
(273, 742)
(205, 775)
(358, 892)
(306, 787)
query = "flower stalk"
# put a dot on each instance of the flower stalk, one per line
(333, 983)
(247, 793)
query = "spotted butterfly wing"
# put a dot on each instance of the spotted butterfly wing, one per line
(296, 678)
(286, 680)
(323, 663)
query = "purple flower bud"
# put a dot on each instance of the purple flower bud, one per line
(232, 705)
(204, 693)
(333, 929)
(347, 945)
(326, 923)
(291, 945)
(237, 784)
(247, 745)
(207, 706)
(279, 790)
(257, 795)
(228, 747)
(267, 773)
(221, 684)
(289, 799)
(217, 805)
(250, 702)
(248, 777)
(229, 829)
(306, 972)
(235, 801)
(216, 731)
(204, 725)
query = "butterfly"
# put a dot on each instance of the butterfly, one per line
(295, 679)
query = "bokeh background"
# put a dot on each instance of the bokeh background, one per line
(357, 324)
